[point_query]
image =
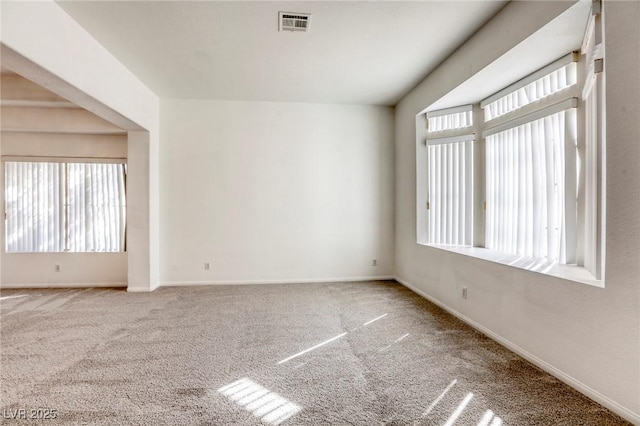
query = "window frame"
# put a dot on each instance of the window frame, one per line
(586, 233)
(592, 195)
(60, 160)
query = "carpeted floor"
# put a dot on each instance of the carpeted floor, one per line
(337, 353)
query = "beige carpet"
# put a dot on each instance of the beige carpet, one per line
(338, 353)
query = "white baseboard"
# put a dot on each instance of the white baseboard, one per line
(277, 281)
(142, 289)
(559, 374)
(60, 285)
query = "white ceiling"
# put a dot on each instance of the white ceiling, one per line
(356, 52)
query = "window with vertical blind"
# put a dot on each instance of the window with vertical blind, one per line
(450, 187)
(525, 189)
(531, 165)
(537, 176)
(545, 82)
(450, 119)
(64, 207)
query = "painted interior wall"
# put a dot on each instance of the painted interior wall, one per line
(275, 191)
(586, 335)
(76, 269)
(44, 44)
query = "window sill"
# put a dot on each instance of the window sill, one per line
(568, 272)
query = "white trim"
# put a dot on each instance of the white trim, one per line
(37, 104)
(451, 139)
(45, 131)
(553, 66)
(6, 286)
(537, 105)
(140, 289)
(593, 69)
(447, 111)
(459, 131)
(62, 159)
(588, 33)
(596, 9)
(556, 372)
(589, 82)
(541, 113)
(276, 281)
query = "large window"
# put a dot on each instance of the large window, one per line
(64, 207)
(533, 161)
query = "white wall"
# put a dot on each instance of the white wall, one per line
(37, 270)
(42, 43)
(590, 337)
(63, 145)
(271, 192)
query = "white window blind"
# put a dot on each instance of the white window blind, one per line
(53, 207)
(450, 205)
(525, 188)
(34, 199)
(97, 207)
(547, 81)
(450, 118)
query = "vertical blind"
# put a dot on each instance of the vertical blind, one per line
(450, 207)
(547, 85)
(454, 120)
(525, 188)
(53, 207)
(97, 207)
(34, 200)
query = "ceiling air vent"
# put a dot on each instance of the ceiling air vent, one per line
(294, 21)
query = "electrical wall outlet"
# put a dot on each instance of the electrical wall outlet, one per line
(57, 268)
(207, 266)
(464, 292)
(374, 262)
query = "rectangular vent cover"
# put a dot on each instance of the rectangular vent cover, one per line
(294, 21)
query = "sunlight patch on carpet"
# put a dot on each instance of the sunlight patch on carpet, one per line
(375, 319)
(490, 419)
(439, 398)
(454, 416)
(399, 339)
(311, 348)
(266, 405)
(12, 297)
(335, 338)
